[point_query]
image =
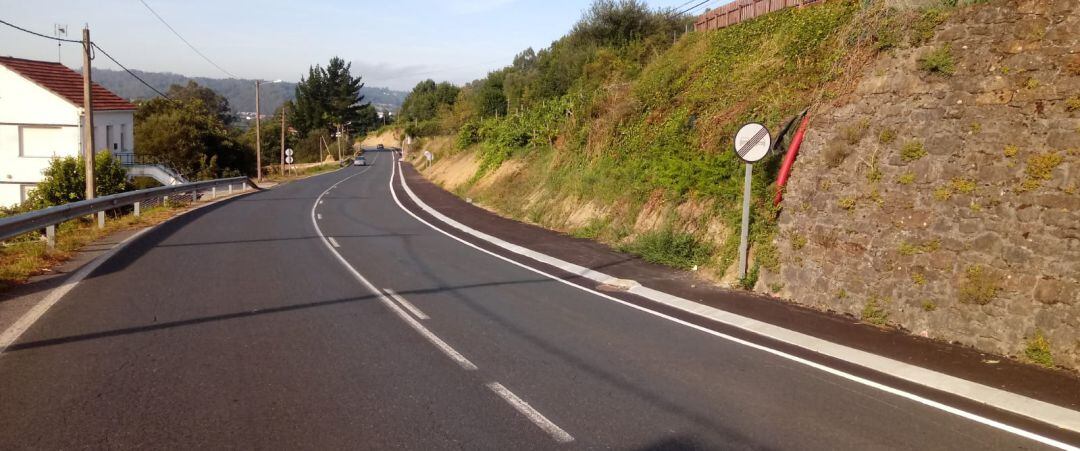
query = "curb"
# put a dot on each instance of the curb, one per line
(1021, 405)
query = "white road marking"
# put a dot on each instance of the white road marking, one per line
(38, 310)
(35, 313)
(319, 215)
(419, 328)
(320, 202)
(532, 414)
(333, 241)
(408, 305)
(1001, 399)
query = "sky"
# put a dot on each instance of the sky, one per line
(391, 44)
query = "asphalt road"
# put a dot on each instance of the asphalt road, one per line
(238, 326)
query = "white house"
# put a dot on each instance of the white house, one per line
(41, 117)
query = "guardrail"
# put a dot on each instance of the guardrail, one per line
(48, 218)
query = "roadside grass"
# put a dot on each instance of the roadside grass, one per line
(27, 256)
(277, 177)
(671, 248)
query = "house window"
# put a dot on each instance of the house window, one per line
(123, 138)
(109, 144)
(41, 141)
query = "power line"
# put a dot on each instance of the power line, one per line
(692, 8)
(107, 55)
(192, 47)
(39, 34)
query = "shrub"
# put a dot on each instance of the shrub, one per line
(667, 247)
(1040, 168)
(65, 180)
(939, 61)
(836, 153)
(978, 286)
(912, 150)
(1011, 151)
(906, 178)
(928, 305)
(1038, 350)
(963, 185)
(847, 203)
(887, 136)
(943, 193)
(468, 134)
(1072, 104)
(874, 312)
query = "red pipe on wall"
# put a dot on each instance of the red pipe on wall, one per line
(789, 160)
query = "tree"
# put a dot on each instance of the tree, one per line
(213, 102)
(65, 181)
(188, 137)
(330, 97)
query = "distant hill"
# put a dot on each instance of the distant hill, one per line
(240, 92)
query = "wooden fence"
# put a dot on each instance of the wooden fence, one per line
(743, 10)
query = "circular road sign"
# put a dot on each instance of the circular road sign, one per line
(288, 160)
(288, 152)
(752, 142)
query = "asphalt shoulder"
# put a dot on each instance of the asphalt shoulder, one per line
(1053, 386)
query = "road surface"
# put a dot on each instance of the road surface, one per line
(240, 326)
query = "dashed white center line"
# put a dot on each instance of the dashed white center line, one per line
(532, 414)
(320, 215)
(408, 305)
(333, 241)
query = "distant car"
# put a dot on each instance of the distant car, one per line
(360, 161)
(379, 147)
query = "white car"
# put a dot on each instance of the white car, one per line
(360, 161)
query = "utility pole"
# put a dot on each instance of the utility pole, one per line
(282, 140)
(88, 116)
(258, 136)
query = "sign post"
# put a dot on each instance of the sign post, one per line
(752, 143)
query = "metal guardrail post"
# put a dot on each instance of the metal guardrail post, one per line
(50, 237)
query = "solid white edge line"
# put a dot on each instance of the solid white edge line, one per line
(529, 412)
(419, 328)
(1032, 408)
(408, 305)
(333, 241)
(39, 309)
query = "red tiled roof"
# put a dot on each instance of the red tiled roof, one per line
(65, 83)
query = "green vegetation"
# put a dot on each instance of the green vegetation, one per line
(1038, 350)
(918, 278)
(874, 312)
(847, 203)
(943, 193)
(667, 247)
(798, 241)
(912, 151)
(916, 249)
(65, 181)
(928, 305)
(887, 136)
(978, 287)
(963, 185)
(939, 61)
(1040, 168)
(854, 133)
(27, 256)
(1032, 83)
(1072, 104)
(1011, 151)
(906, 178)
(592, 230)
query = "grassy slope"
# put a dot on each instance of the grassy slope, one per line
(645, 162)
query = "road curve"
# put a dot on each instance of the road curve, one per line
(320, 315)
